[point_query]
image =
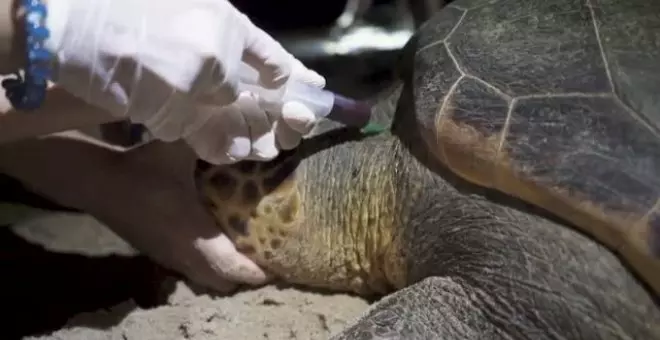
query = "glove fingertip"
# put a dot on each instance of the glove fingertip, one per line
(305, 74)
(264, 147)
(266, 153)
(239, 148)
(287, 138)
(316, 79)
(298, 116)
(312, 78)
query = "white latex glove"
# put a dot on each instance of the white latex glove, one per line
(174, 65)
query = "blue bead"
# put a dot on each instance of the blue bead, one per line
(43, 33)
(39, 55)
(40, 33)
(40, 9)
(40, 75)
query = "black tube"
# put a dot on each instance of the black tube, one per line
(350, 112)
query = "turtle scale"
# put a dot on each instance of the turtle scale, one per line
(630, 51)
(520, 50)
(528, 107)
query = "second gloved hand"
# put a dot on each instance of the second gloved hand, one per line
(174, 66)
(244, 130)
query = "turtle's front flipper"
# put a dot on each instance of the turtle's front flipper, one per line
(435, 308)
(482, 271)
(452, 309)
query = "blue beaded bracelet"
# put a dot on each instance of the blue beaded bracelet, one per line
(29, 92)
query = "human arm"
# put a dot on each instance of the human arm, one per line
(145, 195)
(62, 112)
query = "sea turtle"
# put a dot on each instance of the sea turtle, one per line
(551, 102)
(522, 155)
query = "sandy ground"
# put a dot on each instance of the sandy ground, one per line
(100, 303)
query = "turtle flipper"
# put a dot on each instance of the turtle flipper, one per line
(468, 281)
(453, 309)
(435, 308)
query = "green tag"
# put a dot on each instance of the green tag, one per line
(372, 129)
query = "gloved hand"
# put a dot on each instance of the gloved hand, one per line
(244, 130)
(174, 66)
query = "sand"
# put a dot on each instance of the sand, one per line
(270, 312)
(266, 313)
